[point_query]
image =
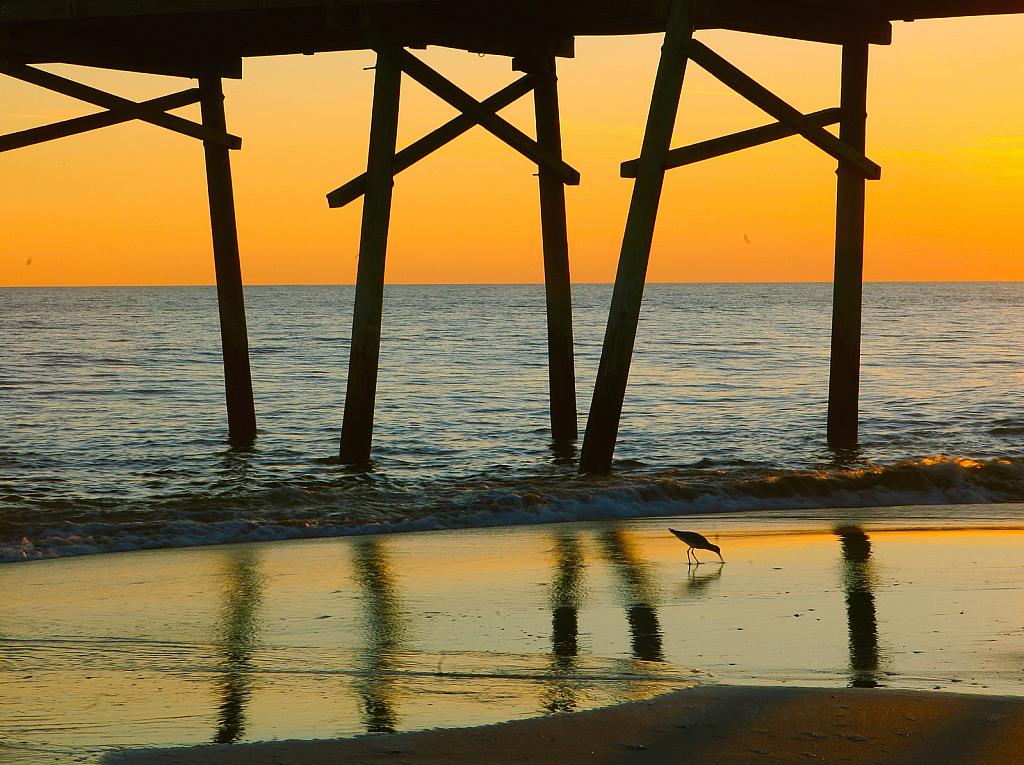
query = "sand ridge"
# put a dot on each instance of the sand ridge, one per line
(710, 724)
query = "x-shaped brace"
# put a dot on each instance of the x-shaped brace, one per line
(433, 141)
(465, 103)
(790, 122)
(764, 99)
(473, 112)
(121, 108)
(78, 125)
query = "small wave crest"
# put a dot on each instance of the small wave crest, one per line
(283, 512)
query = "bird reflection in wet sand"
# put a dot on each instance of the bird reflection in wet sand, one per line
(858, 579)
(698, 584)
(383, 633)
(638, 592)
(566, 593)
(237, 639)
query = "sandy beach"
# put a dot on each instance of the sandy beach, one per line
(596, 635)
(729, 726)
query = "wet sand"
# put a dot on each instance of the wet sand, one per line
(727, 726)
(335, 638)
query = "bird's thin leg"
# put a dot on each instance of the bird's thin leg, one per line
(695, 557)
(688, 551)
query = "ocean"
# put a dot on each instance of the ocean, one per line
(114, 433)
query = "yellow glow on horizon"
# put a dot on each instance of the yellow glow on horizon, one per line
(127, 204)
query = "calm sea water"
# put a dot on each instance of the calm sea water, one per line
(113, 431)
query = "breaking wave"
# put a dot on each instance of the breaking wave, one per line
(323, 510)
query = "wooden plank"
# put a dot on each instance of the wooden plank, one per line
(829, 23)
(54, 10)
(745, 139)
(434, 140)
(847, 286)
(764, 99)
(458, 98)
(78, 125)
(367, 315)
(116, 103)
(230, 298)
(557, 284)
(624, 315)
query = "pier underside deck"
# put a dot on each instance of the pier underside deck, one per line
(193, 37)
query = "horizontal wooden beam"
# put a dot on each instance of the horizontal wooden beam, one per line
(835, 23)
(78, 125)
(131, 109)
(745, 139)
(764, 99)
(465, 103)
(434, 140)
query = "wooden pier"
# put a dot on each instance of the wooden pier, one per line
(207, 40)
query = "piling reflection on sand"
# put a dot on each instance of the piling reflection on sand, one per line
(325, 638)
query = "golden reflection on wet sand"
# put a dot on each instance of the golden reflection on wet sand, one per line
(237, 638)
(383, 635)
(637, 592)
(566, 594)
(450, 628)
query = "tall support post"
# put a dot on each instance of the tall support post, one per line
(620, 335)
(357, 425)
(230, 298)
(844, 369)
(558, 291)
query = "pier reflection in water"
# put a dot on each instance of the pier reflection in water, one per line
(472, 627)
(237, 638)
(858, 582)
(383, 634)
(638, 593)
(560, 694)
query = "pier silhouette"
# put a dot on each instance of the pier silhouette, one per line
(207, 40)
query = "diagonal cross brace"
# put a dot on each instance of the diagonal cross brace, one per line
(434, 140)
(764, 99)
(465, 103)
(727, 144)
(78, 125)
(117, 104)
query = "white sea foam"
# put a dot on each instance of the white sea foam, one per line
(930, 482)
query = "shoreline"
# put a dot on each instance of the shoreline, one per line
(727, 725)
(340, 637)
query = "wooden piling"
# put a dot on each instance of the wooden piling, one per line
(613, 372)
(230, 298)
(844, 370)
(561, 368)
(357, 426)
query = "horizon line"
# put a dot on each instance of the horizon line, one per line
(500, 284)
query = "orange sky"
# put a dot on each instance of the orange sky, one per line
(127, 204)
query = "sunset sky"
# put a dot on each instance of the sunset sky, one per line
(126, 205)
